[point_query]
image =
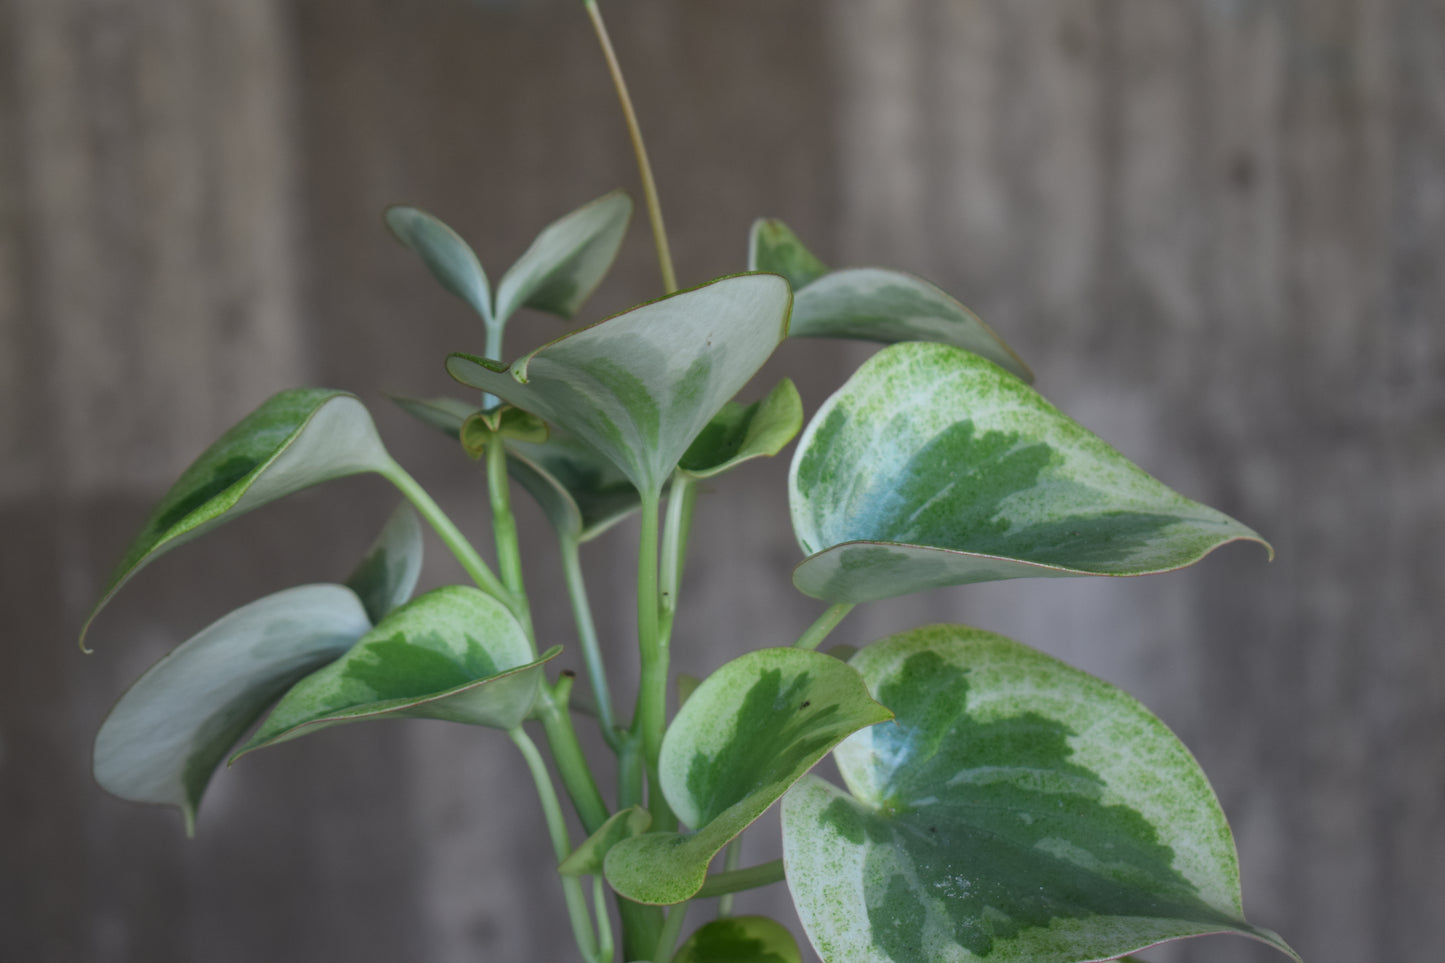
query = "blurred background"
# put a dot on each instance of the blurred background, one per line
(1215, 228)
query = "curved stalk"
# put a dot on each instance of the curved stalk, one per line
(737, 880)
(504, 529)
(567, 753)
(671, 930)
(587, 635)
(825, 624)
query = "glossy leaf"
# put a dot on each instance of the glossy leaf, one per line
(586, 860)
(164, 738)
(567, 260)
(1016, 811)
(640, 386)
(934, 467)
(449, 258)
(772, 246)
(751, 730)
(740, 939)
(296, 439)
(741, 432)
(454, 653)
(387, 575)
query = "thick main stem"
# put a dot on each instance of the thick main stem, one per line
(567, 753)
(504, 529)
(651, 716)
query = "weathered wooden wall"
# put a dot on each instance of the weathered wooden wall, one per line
(1215, 227)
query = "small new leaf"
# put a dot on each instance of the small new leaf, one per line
(739, 433)
(449, 258)
(568, 259)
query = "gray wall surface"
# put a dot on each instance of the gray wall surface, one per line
(1216, 229)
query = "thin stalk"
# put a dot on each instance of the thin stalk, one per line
(675, 529)
(639, 147)
(557, 828)
(731, 857)
(567, 754)
(737, 880)
(606, 950)
(671, 930)
(826, 623)
(504, 529)
(651, 717)
(629, 772)
(492, 352)
(587, 634)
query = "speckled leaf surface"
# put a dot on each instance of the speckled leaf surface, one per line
(164, 738)
(772, 246)
(751, 730)
(740, 432)
(568, 259)
(740, 939)
(448, 257)
(454, 653)
(640, 386)
(932, 466)
(1016, 811)
(294, 440)
(586, 859)
(387, 576)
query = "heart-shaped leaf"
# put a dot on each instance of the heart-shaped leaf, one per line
(586, 860)
(567, 260)
(164, 738)
(581, 493)
(454, 653)
(296, 439)
(871, 304)
(640, 386)
(387, 575)
(751, 730)
(740, 939)
(932, 467)
(741, 432)
(772, 246)
(1016, 811)
(446, 415)
(449, 258)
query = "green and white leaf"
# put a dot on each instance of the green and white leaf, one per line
(164, 738)
(1016, 811)
(581, 493)
(640, 386)
(449, 258)
(294, 440)
(446, 415)
(387, 576)
(568, 259)
(773, 247)
(739, 432)
(932, 466)
(586, 860)
(740, 939)
(454, 653)
(751, 730)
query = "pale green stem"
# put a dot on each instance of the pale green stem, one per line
(629, 772)
(492, 352)
(671, 930)
(826, 623)
(504, 529)
(676, 527)
(567, 753)
(561, 845)
(587, 634)
(737, 880)
(650, 718)
(639, 147)
(606, 951)
(731, 857)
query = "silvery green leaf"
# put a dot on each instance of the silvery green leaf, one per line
(446, 415)
(740, 939)
(932, 466)
(449, 258)
(296, 439)
(1015, 811)
(454, 653)
(739, 432)
(164, 738)
(567, 260)
(581, 493)
(387, 575)
(640, 386)
(751, 730)
(772, 246)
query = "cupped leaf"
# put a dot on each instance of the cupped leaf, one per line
(505, 422)
(446, 415)
(164, 738)
(454, 653)
(449, 258)
(741, 432)
(586, 860)
(387, 576)
(1016, 811)
(751, 730)
(772, 246)
(740, 939)
(932, 466)
(580, 492)
(296, 439)
(568, 259)
(874, 304)
(640, 386)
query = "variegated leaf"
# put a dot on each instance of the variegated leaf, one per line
(739, 432)
(567, 260)
(449, 258)
(388, 574)
(740, 939)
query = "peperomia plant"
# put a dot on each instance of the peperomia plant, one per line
(997, 804)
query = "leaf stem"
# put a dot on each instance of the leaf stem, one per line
(649, 186)
(587, 635)
(676, 527)
(582, 930)
(504, 530)
(671, 930)
(731, 857)
(826, 623)
(567, 754)
(650, 719)
(736, 880)
(492, 352)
